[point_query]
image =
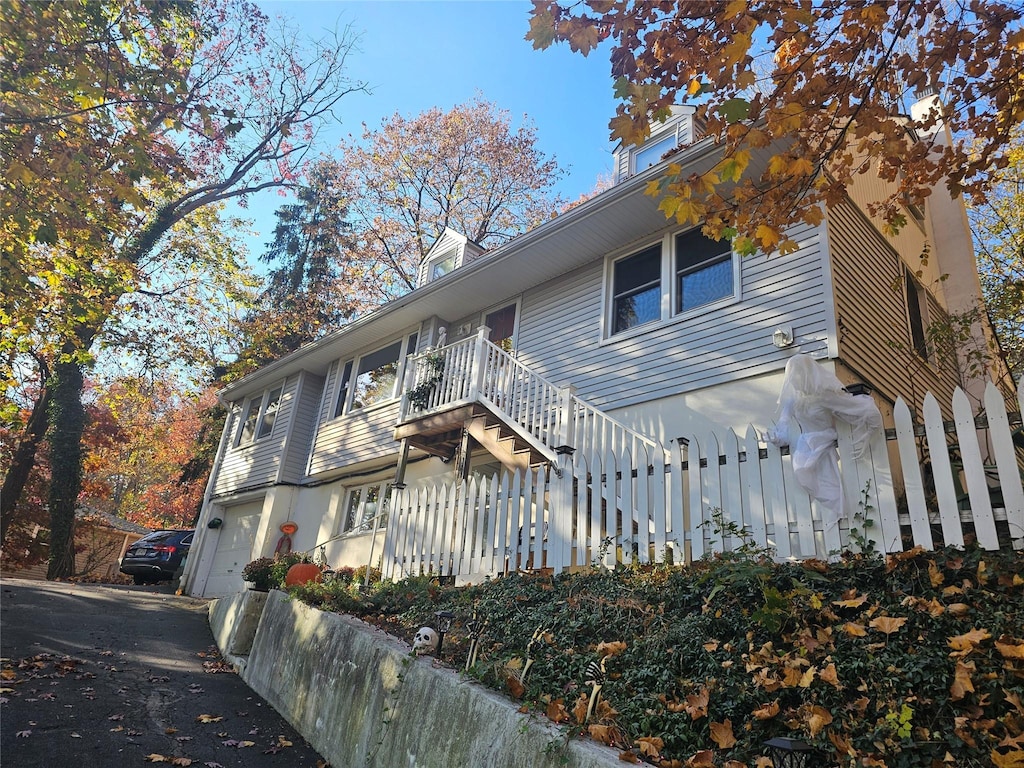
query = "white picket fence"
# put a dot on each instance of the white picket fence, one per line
(717, 492)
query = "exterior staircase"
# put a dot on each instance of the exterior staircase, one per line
(473, 387)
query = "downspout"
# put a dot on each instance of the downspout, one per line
(191, 562)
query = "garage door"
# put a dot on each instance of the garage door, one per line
(234, 548)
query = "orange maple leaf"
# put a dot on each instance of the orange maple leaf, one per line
(888, 624)
(962, 683)
(697, 704)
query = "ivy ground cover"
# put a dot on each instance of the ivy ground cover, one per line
(915, 660)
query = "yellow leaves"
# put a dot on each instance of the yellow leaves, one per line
(731, 168)
(609, 650)
(158, 758)
(1014, 759)
(887, 624)
(934, 574)
(851, 601)
(722, 735)
(962, 683)
(965, 643)
(831, 676)
(209, 718)
(767, 236)
(873, 15)
(1010, 648)
(854, 630)
(818, 718)
(767, 711)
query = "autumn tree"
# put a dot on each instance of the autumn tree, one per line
(819, 92)
(119, 122)
(466, 168)
(307, 292)
(997, 222)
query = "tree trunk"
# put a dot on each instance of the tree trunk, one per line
(67, 418)
(23, 460)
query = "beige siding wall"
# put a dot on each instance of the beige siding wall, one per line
(355, 438)
(874, 332)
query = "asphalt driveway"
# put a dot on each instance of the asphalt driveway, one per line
(97, 676)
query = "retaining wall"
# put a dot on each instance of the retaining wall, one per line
(359, 697)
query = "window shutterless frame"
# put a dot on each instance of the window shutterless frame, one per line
(374, 377)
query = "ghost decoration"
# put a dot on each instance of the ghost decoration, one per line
(425, 641)
(813, 399)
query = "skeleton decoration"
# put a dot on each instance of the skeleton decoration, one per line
(425, 641)
(813, 399)
(476, 631)
(595, 676)
(531, 649)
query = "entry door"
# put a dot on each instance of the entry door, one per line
(502, 323)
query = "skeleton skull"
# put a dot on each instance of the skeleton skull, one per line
(425, 641)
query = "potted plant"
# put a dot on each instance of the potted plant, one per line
(259, 573)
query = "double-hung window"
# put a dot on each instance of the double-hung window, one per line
(677, 275)
(260, 416)
(637, 289)
(703, 270)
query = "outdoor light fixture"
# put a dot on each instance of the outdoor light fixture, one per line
(215, 523)
(858, 389)
(444, 623)
(783, 337)
(790, 753)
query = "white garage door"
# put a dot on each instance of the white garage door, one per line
(234, 548)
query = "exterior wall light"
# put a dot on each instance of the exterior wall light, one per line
(215, 523)
(783, 337)
(791, 753)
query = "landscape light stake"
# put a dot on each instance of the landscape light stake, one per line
(791, 753)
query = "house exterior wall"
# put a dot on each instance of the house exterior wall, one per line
(871, 308)
(259, 462)
(302, 427)
(560, 333)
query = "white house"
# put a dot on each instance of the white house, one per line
(606, 329)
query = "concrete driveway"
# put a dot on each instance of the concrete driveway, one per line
(96, 675)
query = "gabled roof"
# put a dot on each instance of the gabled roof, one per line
(610, 221)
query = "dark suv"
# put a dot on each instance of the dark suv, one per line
(156, 556)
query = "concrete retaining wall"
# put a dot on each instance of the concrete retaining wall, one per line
(360, 699)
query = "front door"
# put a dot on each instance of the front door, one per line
(502, 323)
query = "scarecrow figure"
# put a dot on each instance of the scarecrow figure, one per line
(813, 399)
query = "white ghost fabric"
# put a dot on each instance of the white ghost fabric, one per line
(813, 399)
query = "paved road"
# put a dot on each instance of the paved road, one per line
(108, 676)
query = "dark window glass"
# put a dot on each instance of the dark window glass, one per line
(502, 323)
(249, 426)
(703, 270)
(636, 289)
(346, 376)
(915, 311)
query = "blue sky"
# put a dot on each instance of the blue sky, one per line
(417, 54)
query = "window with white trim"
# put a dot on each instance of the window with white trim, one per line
(260, 416)
(374, 377)
(679, 274)
(366, 507)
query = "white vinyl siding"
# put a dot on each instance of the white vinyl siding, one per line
(258, 462)
(300, 437)
(363, 436)
(559, 331)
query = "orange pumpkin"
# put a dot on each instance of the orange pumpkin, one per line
(302, 573)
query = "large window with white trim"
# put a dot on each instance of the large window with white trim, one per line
(680, 274)
(372, 378)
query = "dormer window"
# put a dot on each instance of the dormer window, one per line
(650, 154)
(445, 263)
(677, 130)
(448, 253)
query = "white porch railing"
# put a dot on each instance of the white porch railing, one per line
(634, 505)
(475, 370)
